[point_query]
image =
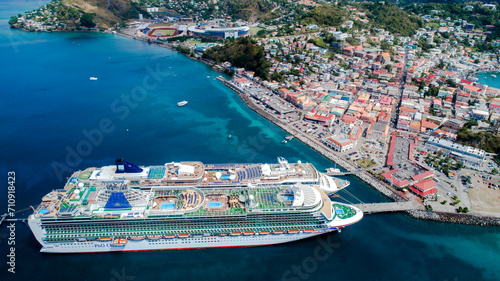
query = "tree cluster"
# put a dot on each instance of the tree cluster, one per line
(242, 52)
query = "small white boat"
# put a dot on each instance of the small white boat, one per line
(229, 136)
(284, 141)
(333, 170)
(182, 103)
(93, 78)
(493, 75)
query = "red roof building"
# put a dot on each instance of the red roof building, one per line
(424, 188)
(391, 150)
(388, 177)
(423, 175)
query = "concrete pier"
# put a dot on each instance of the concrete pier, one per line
(374, 208)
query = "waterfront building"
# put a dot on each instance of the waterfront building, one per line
(424, 188)
(467, 153)
(340, 143)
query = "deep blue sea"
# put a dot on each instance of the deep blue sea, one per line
(55, 120)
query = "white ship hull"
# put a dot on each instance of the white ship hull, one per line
(178, 243)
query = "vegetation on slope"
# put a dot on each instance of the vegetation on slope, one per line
(484, 140)
(248, 9)
(391, 18)
(243, 52)
(108, 12)
(326, 15)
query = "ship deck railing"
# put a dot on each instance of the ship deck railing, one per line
(182, 231)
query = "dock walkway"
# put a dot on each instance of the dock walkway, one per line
(373, 208)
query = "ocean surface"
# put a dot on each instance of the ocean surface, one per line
(55, 120)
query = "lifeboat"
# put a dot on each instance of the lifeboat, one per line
(119, 242)
(248, 233)
(183, 235)
(137, 238)
(308, 230)
(278, 232)
(105, 239)
(293, 231)
(154, 237)
(223, 234)
(235, 233)
(169, 236)
(264, 232)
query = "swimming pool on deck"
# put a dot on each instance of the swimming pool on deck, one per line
(167, 206)
(214, 204)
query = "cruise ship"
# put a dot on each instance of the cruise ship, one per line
(100, 210)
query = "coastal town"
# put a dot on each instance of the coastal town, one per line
(397, 110)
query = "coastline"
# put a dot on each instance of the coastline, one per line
(382, 187)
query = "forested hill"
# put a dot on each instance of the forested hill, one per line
(242, 52)
(75, 14)
(391, 18)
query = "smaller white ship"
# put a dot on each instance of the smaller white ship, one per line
(182, 103)
(333, 170)
(93, 78)
(493, 75)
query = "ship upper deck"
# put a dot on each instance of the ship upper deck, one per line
(209, 175)
(117, 200)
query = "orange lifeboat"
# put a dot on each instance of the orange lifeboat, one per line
(119, 242)
(235, 233)
(278, 232)
(308, 230)
(248, 233)
(264, 232)
(137, 238)
(154, 237)
(169, 236)
(293, 231)
(183, 235)
(105, 239)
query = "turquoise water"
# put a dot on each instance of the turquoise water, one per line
(55, 120)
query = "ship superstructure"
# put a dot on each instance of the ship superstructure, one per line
(201, 175)
(118, 215)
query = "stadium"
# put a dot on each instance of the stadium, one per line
(218, 32)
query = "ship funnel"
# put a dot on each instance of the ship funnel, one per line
(123, 166)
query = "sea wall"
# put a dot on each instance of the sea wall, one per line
(468, 219)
